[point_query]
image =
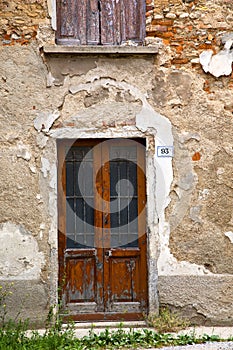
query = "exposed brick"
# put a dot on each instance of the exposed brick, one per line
(162, 22)
(157, 28)
(180, 60)
(205, 46)
(179, 49)
(166, 42)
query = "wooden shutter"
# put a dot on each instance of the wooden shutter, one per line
(122, 21)
(77, 22)
(100, 22)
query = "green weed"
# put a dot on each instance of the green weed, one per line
(17, 339)
(166, 321)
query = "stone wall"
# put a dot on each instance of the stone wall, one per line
(44, 94)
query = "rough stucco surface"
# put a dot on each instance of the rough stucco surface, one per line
(43, 94)
(195, 296)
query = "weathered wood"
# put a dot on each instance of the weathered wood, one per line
(100, 22)
(97, 180)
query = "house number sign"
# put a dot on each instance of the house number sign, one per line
(165, 151)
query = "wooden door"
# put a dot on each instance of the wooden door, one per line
(102, 229)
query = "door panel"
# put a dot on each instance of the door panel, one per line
(102, 230)
(123, 278)
(82, 264)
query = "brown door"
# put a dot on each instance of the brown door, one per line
(102, 235)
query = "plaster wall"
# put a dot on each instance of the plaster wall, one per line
(190, 221)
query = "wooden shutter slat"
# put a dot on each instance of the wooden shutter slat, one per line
(82, 21)
(93, 30)
(107, 21)
(133, 20)
(68, 18)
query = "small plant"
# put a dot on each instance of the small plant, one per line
(166, 321)
(5, 292)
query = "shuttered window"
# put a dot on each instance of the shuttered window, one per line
(100, 22)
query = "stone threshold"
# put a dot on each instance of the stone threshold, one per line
(74, 49)
(108, 324)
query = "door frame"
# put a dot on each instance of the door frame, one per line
(155, 180)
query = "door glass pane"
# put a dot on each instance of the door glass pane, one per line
(123, 196)
(79, 198)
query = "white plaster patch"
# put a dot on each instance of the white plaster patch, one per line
(187, 136)
(45, 166)
(50, 80)
(205, 58)
(23, 152)
(229, 234)
(53, 176)
(20, 258)
(219, 64)
(41, 140)
(44, 121)
(194, 214)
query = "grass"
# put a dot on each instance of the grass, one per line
(14, 337)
